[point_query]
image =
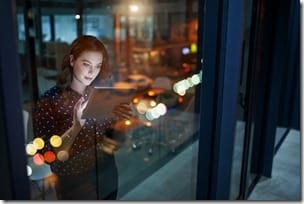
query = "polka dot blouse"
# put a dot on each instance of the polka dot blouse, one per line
(53, 115)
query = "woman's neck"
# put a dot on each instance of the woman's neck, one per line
(78, 86)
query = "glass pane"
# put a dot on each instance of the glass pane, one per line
(242, 117)
(65, 28)
(151, 46)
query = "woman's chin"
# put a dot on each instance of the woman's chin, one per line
(87, 83)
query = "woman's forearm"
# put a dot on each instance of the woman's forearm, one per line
(69, 136)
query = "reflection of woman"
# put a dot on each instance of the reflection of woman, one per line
(85, 165)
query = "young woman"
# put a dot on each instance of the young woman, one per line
(84, 163)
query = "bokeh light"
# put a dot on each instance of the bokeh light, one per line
(135, 100)
(38, 143)
(186, 50)
(77, 16)
(182, 86)
(62, 155)
(38, 159)
(49, 156)
(30, 149)
(148, 124)
(56, 141)
(151, 93)
(180, 99)
(29, 170)
(133, 8)
(161, 108)
(149, 115)
(142, 107)
(152, 103)
(128, 122)
(193, 48)
(195, 79)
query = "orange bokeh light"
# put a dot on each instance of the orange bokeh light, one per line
(49, 156)
(135, 100)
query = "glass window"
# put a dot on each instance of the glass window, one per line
(65, 28)
(46, 28)
(21, 32)
(152, 47)
(101, 26)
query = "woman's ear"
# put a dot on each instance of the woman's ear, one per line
(71, 60)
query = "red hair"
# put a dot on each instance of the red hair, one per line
(78, 46)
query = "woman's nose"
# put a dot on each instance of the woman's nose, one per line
(91, 69)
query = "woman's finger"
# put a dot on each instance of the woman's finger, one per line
(124, 108)
(78, 103)
(83, 106)
(123, 115)
(76, 108)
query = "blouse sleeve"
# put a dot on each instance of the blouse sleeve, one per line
(44, 123)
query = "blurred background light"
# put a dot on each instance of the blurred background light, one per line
(186, 51)
(29, 170)
(56, 141)
(63, 155)
(30, 149)
(133, 8)
(49, 156)
(38, 143)
(77, 16)
(38, 159)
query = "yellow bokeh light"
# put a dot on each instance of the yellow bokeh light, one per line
(152, 103)
(193, 48)
(151, 93)
(153, 53)
(30, 149)
(135, 100)
(148, 124)
(38, 143)
(56, 141)
(128, 122)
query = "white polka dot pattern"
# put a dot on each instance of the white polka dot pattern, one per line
(53, 114)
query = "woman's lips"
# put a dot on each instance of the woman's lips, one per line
(88, 78)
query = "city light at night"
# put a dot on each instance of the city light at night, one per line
(56, 141)
(182, 86)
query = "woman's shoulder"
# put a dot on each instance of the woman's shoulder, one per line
(52, 92)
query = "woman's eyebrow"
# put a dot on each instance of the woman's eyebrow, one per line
(84, 60)
(88, 61)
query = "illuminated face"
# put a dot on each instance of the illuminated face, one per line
(86, 67)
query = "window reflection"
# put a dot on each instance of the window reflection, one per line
(151, 47)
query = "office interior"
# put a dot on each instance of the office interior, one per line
(226, 72)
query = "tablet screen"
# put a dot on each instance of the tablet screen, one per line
(103, 100)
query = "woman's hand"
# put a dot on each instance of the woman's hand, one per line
(78, 111)
(123, 111)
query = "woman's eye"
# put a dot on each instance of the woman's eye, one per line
(86, 64)
(98, 67)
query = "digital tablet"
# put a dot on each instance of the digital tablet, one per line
(103, 100)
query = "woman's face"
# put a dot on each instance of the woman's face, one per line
(86, 67)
